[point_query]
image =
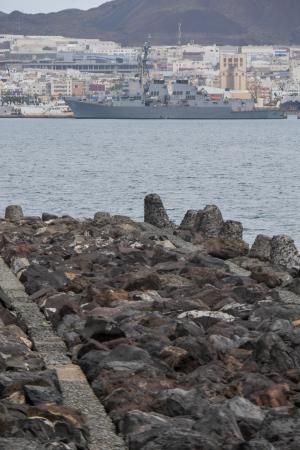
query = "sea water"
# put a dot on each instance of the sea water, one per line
(249, 168)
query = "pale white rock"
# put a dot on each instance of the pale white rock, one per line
(19, 264)
(237, 270)
(244, 409)
(212, 314)
(41, 231)
(168, 245)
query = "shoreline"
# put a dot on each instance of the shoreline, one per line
(36, 117)
(187, 335)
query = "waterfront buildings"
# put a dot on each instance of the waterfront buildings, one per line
(55, 66)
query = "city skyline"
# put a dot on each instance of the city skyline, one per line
(36, 6)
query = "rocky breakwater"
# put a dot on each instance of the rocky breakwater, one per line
(190, 339)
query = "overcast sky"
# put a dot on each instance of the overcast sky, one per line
(33, 6)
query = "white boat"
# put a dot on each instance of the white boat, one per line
(54, 109)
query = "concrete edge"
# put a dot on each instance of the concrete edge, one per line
(75, 388)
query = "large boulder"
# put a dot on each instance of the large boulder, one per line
(14, 213)
(154, 211)
(284, 252)
(261, 248)
(209, 222)
(189, 220)
(225, 248)
(232, 230)
(102, 329)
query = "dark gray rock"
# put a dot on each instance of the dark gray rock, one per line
(272, 353)
(127, 357)
(261, 248)
(225, 248)
(37, 277)
(282, 428)
(181, 402)
(90, 362)
(209, 222)
(138, 420)
(189, 220)
(232, 230)
(257, 444)
(102, 218)
(243, 409)
(208, 261)
(14, 213)
(15, 443)
(219, 423)
(102, 329)
(172, 439)
(154, 211)
(47, 216)
(36, 395)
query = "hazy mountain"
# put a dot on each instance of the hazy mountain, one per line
(130, 21)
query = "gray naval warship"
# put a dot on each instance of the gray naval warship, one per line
(142, 98)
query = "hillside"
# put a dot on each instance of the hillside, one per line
(130, 21)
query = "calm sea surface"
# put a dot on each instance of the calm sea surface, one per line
(250, 169)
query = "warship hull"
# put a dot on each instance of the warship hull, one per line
(89, 110)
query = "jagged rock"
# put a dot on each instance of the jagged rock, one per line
(173, 438)
(243, 409)
(36, 395)
(181, 402)
(46, 217)
(102, 218)
(15, 443)
(147, 280)
(257, 444)
(284, 252)
(209, 222)
(174, 356)
(189, 220)
(18, 264)
(214, 315)
(14, 213)
(232, 230)
(225, 248)
(271, 277)
(282, 428)
(222, 343)
(37, 277)
(141, 422)
(271, 352)
(220, 423)
(102, 329)
(154, 211)
(261, 248)
(127, 358)
(202, 260)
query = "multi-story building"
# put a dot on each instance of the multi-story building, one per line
(61, 87)
(233, 71)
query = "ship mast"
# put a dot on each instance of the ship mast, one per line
(143, 60)
(179, 35)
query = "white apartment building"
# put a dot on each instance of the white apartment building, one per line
(61, 87)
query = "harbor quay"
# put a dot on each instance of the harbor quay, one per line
(117, 334)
